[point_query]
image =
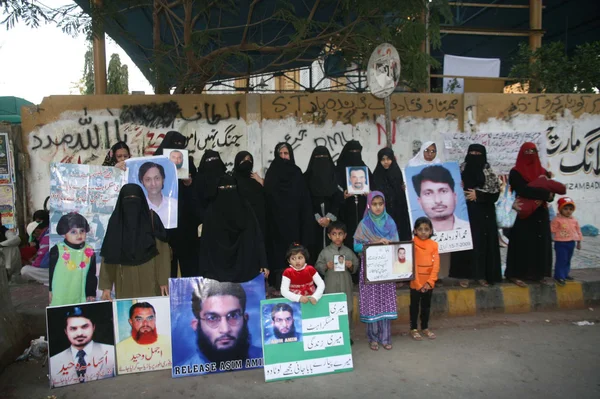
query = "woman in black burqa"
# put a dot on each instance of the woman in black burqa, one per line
(135, 254)
(289, 211)
(232, 247)
(388, 179)
(353, 206)
(183, 239)
(210, 170)
(482, 189)
(325, 195)
(250, 186)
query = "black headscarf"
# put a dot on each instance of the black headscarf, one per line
(281, 176)
(173, 139)
(211, 168)
(320, 173)
(290, 150)
(232, 247)
(110, 159)
(392, 175)
(132, 229)
(472, 175)
(350, 156)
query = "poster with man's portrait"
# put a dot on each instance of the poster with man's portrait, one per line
(143, 334)
(435, 191)
(157, 176)
(389, 263)
(282, 323)
(80, 343)
(357, 179)
(215, 326)
(181, 161)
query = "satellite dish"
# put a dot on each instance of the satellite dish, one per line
(383, 70)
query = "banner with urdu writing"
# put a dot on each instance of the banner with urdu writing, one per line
(302, 340)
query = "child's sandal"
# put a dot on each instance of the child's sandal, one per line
(415, 335)
(428, 333)
(374, 346)
(387, 347)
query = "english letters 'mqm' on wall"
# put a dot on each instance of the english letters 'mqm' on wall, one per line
(81, 129)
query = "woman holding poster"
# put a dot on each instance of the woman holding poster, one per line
(377, 303)
(482, 189)
(530, 246)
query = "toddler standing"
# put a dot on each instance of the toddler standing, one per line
(566, 234)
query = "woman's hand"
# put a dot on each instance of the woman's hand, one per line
(517, 205)
(324, 222)
(105, 295)
(121, 165)
(471, 195)
(265, 272)
(187, 182)
(256, 177)
(164, 290)
(346, 195)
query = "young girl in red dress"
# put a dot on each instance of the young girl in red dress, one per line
(301, 282)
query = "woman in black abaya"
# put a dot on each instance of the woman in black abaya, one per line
(482, 189)
(232, 248)
(250, 186)
(388, 179)
(325, 195)
(184, 237)
(289, 210)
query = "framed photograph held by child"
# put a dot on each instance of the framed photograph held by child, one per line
(389, 263)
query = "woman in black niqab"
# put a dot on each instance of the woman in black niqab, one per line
(232, 248)
(210, 170)
(325, 195)
(353, 206)
(289, 211)
(249, 188)
(391, 183)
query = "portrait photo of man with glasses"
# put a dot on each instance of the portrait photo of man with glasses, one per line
(221, 324)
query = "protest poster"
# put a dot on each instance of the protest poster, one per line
(181, 160)
(6, 172)
(389, 263)
(89, 190)
(80, 343)
(302, 340)
(215, 326)
(502, 148)
(435, 191)
(7, 206)
(158, 178)
(143, 334)
(357, 179)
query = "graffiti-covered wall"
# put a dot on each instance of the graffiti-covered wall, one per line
(82, 128)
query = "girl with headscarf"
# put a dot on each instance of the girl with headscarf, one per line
(250, 186)
(184, 238)
(427, 155)
(232, 248)
(353, 206)
(388, 179)
(289, 211)
(377, 303)
(530, 246)
(117, 155)
(325, 195)
(135, 254)
(482, 189)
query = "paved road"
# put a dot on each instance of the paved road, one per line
(534, 355)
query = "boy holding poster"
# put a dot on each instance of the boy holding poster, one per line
(338, 281)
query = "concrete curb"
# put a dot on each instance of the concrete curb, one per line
(499, 298)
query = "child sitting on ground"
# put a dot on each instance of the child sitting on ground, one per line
(72, 263)
(566, 234)
(298, 281)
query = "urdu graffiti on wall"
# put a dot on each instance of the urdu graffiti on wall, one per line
(576, 155)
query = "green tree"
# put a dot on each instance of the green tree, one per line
(118, 76)
(87, 82)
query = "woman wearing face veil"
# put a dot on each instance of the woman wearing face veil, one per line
(289, 213)
(250, 186)
(135, 253)
(388, 179)
(325, 195)
(482, 189)
(210, 170)
(353, 206)
(232, 248)
(183, 239)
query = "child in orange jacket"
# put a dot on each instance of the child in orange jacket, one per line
(427, 267)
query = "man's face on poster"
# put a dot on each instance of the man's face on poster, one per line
(401, 255)
(283, 324)
(79, 331)
(153, 181)
(437, 200)
(143, 326)
(177, 158)
(358, 179)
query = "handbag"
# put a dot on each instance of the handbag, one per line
(505, 214)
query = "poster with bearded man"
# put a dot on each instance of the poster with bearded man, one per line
(143, 334)
(215, 326)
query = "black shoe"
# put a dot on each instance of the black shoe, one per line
(569, 278)
(561, 282)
